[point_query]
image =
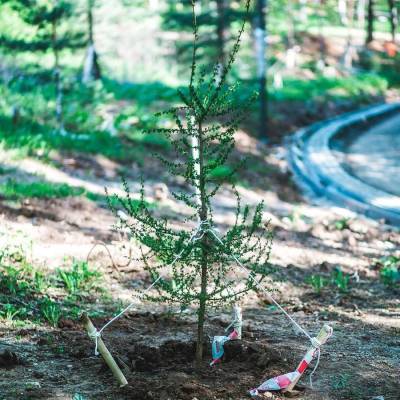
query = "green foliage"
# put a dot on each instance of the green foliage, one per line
(222, 173)
(390, 271)
(353, 86)
(338, 279)
(42, 16)
(78, 396)
(85, 110)
(18, 190)
(40, 281)
(216, 23)
(151, 139)
(5, 170)
(10, 311)
(204, 124)
(78, 278)
(341, 224)
(15, 190)
(51, 311)
(15, 281)
(27, 293)
(318, 282)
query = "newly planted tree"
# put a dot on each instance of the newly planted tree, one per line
(201, 269)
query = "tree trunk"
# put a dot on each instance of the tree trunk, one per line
(350, 50)
(370, 22)
(221, 7)
(57, 79)
(342, 11)
(91, 68)
(303, 12)
(260, 39)
(203, 215)
(291, 29)
(393, 19)
(361, 13)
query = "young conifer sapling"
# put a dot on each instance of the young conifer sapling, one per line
(201, 271)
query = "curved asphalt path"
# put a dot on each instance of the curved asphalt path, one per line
(352, 160)
(374, 156)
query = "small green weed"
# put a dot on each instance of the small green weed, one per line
(337, 279)
(318, 282)
(40, 282)
(390, 271)
(27, 293)
(14, 281)
(341, 224)
(10, 311)
(51, 311)
(340, 280)
(78, 396)
(79, 278)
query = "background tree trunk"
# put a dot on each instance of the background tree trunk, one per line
(221, 8)
(57, 79)
(361, 13)
(342, 11)
(370, 22)
(393, 17)
(91, 68)
(260, 41)
(350, 51)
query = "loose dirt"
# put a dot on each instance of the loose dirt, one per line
(154, 344)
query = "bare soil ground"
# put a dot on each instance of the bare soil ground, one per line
(154, 344)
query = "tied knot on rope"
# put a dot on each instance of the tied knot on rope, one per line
(315, 343)
(202, 228)
(318, 351)
(95, 334)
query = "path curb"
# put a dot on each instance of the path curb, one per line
(319, 172)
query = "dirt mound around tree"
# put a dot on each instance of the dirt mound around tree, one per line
(157, 356)
(147, 358)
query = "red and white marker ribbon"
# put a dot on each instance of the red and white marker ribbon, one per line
(288, 381)
(218, 342)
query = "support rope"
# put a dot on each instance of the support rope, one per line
(300, 328)
(314, 341)
(202, 228)
(197, 235)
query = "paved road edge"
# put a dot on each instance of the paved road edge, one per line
(319, 173)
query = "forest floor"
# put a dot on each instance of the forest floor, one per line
(155, 342)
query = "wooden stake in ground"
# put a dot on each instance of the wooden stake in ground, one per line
(108, 358)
